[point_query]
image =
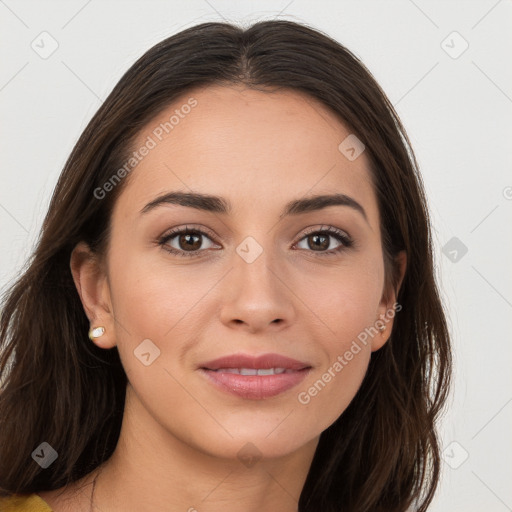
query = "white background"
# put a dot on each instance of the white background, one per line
(457, 112)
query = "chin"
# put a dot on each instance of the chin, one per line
(251, 441)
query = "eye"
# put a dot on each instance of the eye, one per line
(189, 241)
(317, 240)
(185, 241)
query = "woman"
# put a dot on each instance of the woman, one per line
(243, 232)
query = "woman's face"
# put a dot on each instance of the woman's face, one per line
(261, 280)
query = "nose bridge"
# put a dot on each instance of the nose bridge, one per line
(255, 293)
(256, 267)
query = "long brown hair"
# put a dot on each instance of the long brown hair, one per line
(382, 453)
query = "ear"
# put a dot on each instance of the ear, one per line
(388, 306)
(92, 285)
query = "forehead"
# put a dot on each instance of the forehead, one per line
(256, 148)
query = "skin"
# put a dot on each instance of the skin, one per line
(181, 435)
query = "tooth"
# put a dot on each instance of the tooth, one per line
(248, 371)
(254, 371)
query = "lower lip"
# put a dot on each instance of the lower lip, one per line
(255, 387)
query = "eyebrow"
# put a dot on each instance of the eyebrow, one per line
(220, 205)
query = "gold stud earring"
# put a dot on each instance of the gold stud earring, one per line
(96, 332)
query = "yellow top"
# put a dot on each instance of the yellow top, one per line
(24, 503)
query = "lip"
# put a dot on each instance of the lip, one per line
(255, 387)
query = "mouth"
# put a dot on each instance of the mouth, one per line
(255, 378)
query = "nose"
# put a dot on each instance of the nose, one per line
(257, 296)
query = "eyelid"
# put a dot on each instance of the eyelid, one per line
(189, 227)
(325, 228)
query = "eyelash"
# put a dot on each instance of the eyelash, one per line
(346, 241)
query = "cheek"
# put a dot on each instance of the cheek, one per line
(333, 385)
(164, 305)
(347, 305)
(346, 298)
(151, 297)
(148, 305)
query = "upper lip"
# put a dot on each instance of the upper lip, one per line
(264, 361)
